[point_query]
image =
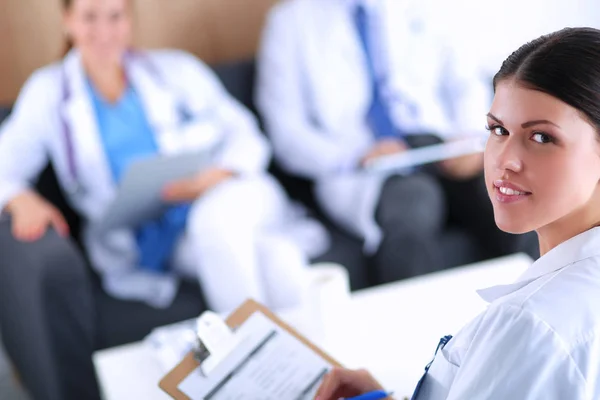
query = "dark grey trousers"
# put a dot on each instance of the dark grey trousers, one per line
(47, 316)
(411, 214)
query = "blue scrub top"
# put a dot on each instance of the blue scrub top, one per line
(127, 136)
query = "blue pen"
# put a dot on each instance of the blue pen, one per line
(376, 395)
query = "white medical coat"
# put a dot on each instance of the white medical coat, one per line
(314, 90)
(539, 339)
(166, 81)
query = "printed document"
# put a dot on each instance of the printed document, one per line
(268, 364)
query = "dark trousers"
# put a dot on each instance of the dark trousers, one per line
(47, 316)
(411, 215)
(414, 210)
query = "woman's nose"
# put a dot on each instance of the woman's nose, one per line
(509, 157)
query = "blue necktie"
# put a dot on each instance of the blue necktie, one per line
(378, 116)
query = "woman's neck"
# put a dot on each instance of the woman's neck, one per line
(567, 227)
(108, 79)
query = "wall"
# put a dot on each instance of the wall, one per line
(215, 30)
(492, 29)
(222, 30)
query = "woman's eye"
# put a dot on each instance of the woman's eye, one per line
(540, 137)
(498, 130)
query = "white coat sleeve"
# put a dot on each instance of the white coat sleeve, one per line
(23, 146)
(516, 355)
(300, 146)
(465, 92)
(245, 149)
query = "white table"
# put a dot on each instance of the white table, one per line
(392, 331)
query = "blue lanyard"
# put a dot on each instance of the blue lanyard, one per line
(443, 342)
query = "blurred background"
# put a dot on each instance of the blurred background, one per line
(222, 32)
(227, 30)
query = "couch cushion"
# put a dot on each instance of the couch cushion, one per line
(238, 79)
(4, 111)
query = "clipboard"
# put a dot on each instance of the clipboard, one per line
(427, 154)
(138, 197)
(170, 383)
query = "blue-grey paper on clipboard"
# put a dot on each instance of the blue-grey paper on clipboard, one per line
(138, 197)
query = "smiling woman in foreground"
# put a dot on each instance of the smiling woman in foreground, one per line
(540, 336)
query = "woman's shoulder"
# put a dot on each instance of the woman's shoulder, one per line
(179, 68)
(172, 58)
(43, 83)
(47, 75)
(565, 301)
(44, 79)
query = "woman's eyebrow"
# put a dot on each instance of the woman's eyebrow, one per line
(538, 122)
(490, 115)
(527, 124)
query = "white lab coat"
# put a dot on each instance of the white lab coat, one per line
(538, 339)
(314, 91)
(164, 80)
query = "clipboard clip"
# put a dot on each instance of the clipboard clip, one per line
(214, 341)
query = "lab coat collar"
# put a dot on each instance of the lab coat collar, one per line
(78, 113)
(159, 99)
(580, 247)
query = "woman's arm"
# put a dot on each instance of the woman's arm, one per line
(515, 354)
(23, 143)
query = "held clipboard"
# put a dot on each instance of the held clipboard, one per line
(138, 197)
(171, 382)
(427, 154)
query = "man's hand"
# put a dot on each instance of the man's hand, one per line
(463, 168)
(384, 147)
(188, 190)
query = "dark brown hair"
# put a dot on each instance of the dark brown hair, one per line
(564, 64)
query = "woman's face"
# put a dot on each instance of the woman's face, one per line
(100, 29)
(542, 161)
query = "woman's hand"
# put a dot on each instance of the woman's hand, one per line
(343, 383)
(32, 215)
(187, 190)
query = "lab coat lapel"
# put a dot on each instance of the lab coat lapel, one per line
(159, 100)
(402, 52)
(343, 64)
(91, 164)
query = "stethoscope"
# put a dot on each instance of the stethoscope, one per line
(75, 186)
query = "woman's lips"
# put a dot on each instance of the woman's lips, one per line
(508, 192)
